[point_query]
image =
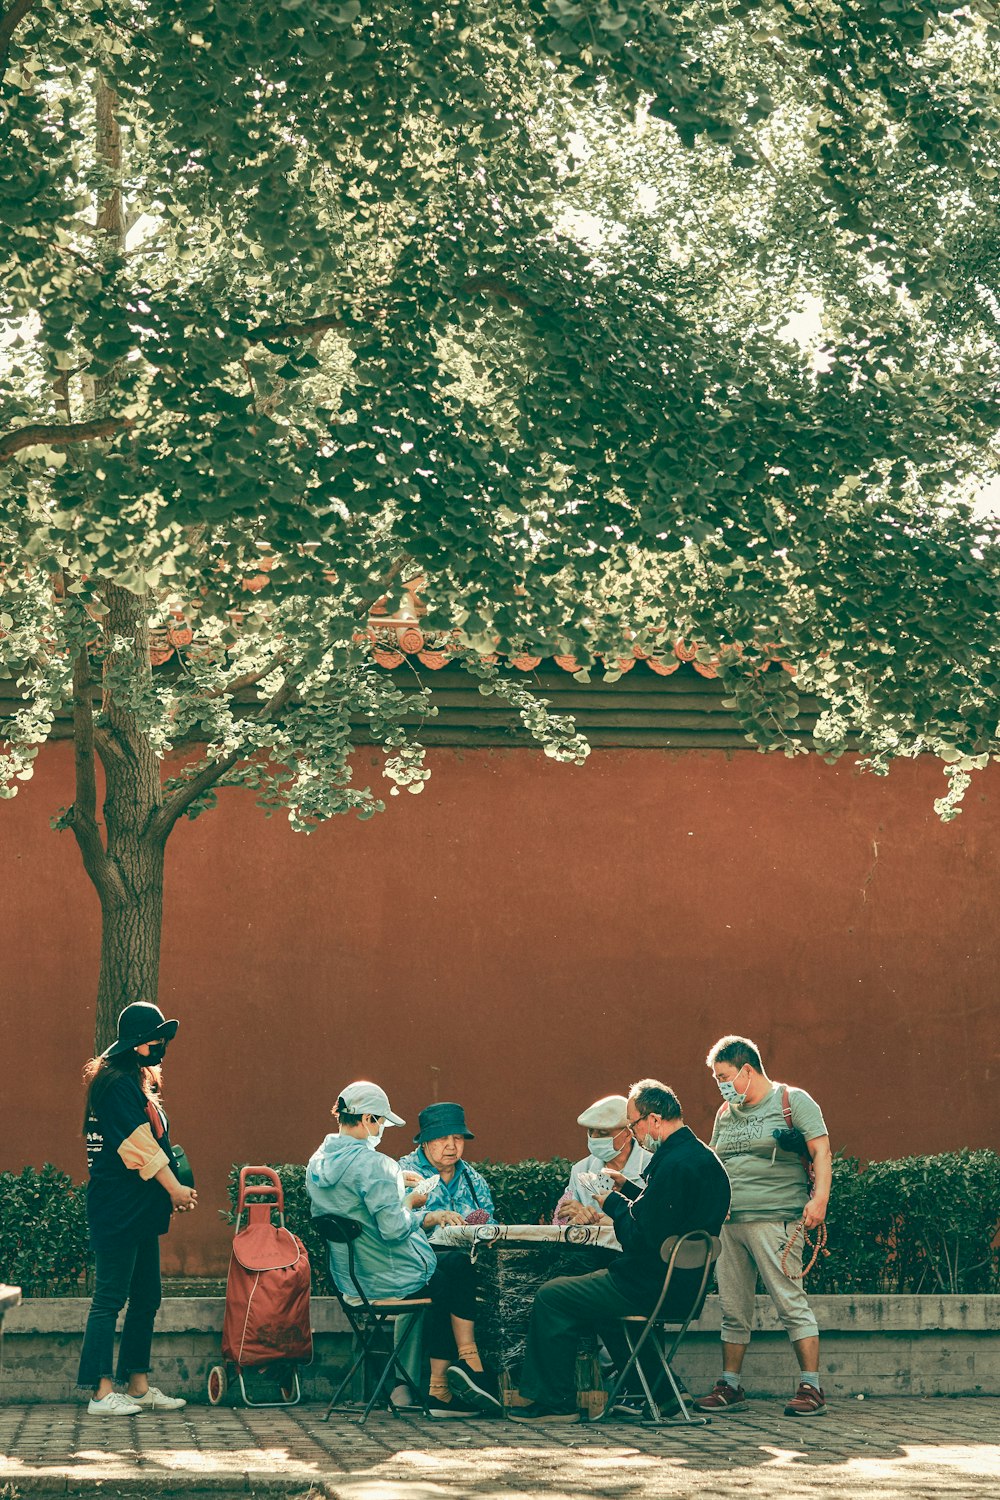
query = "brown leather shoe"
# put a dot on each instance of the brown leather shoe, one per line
(808, 1401)
(723, 1398)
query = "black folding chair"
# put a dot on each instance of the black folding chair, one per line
(372, 1321)
(696, 1251)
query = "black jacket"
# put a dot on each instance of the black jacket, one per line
(686, 1188)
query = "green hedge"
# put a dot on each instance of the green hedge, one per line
(923, 1224)
(43, 1233)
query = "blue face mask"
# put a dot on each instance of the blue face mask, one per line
(729, 1091)
(603, 1147)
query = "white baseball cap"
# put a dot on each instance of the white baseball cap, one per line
(364, 1098)
(606, 1114)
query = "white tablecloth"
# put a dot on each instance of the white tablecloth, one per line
(478, 1235)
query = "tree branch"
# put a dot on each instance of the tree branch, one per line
(59, 434)
(108, 748)
(209, 775)
(10, 20)
(497, 288)
(274, 331)
(327, 322)
(82, 817)
(249, 679)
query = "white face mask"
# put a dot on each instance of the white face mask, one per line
(372, 1141)
(603, 1147)
(649, 1142)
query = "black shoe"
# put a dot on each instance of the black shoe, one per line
(445, 1409)
(539, 1412)
(475, 1388)
(628, 1409)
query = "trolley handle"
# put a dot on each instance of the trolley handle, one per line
(269, 1194)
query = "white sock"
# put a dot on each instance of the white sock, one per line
(733, 1380)
(810, 1377)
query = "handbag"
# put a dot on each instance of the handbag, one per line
(182, 1167)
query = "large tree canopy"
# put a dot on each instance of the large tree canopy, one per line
(303, 300)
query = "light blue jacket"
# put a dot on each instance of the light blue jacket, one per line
(468, 1189)
(392, 1255)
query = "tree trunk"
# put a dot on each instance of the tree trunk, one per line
(131, 891)
(130, 936)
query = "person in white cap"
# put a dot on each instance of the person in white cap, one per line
(610, 1146)
(393, 1257)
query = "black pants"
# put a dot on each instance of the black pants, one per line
(452, 1290)
(562, 1310)
(128, 1270)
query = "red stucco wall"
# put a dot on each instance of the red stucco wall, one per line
(524, 937)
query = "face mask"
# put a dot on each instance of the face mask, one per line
(729, 1091)
(603, 1147)
(155, 1055)
(371, 1141)
(649, 1142)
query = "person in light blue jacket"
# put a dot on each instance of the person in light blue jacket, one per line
(349, 1176)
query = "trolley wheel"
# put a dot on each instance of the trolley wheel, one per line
(218, 1384)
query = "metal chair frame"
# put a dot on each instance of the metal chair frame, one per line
(367, 1319)
(687, 1252)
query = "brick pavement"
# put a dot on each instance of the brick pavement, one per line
(914, 1449)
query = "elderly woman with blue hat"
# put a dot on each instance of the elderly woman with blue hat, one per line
(461, 1191)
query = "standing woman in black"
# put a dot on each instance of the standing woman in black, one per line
(133, 1192)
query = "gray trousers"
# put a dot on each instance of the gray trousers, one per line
(757, 1247)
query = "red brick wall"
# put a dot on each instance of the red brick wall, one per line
(524, 937)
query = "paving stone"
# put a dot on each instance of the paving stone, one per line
(901, 1449)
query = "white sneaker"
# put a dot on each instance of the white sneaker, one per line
(155, 1400)
(114, 1404)
(401, 1395)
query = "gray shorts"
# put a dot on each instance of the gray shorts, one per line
(758, 1247)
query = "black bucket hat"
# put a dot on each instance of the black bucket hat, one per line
(141, 1022)
(441, 1119)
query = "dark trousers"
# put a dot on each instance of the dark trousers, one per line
(129, 1270)
(562, 1310)
(452, 1290)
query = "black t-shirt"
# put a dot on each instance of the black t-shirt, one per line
(124, 1153)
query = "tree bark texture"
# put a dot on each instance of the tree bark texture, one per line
(130, 886)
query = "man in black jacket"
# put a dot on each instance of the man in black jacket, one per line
(686, 1188)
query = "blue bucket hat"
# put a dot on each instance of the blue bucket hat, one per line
(441, 1119)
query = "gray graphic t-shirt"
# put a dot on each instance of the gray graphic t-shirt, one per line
(767, 1183)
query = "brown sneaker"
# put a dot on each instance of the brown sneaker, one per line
(723, 1398)
(807, 1402)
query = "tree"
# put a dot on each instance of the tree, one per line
(307, 300)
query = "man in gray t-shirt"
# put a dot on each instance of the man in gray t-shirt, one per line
(771, 1194)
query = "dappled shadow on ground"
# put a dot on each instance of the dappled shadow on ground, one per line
(943, 1449)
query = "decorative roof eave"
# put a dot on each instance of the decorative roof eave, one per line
(397, 638)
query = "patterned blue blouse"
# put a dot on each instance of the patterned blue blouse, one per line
(467, 1190)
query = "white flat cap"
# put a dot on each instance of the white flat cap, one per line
(364, 1098)
(605, 1114)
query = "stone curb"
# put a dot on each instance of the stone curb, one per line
(146, 1482)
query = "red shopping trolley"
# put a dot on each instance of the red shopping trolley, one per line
(266, 1327)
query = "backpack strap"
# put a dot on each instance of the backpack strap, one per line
(786, 1110)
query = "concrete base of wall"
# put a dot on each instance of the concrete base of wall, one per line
(871, 1346)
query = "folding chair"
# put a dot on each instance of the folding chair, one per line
(370, 1321)
(696, 1251)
